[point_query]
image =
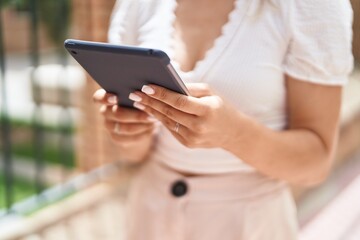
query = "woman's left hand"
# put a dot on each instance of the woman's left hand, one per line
(202, 120)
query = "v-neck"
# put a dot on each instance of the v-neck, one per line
(220, 44)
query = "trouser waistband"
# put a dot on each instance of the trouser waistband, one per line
(219, 187)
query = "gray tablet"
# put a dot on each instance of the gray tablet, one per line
(124, 69)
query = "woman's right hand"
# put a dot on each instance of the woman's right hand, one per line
(126, 126)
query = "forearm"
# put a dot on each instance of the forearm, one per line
(301, 155)
(298, 156)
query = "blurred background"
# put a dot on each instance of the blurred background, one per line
(59, 178)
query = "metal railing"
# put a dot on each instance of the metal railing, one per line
(53, 18)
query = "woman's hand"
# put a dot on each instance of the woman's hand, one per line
(202, 120)
(126, 126)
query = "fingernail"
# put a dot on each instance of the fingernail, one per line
(112, 99)
(114, 108)
(134, 97)
(103, 108)
(148, 90)
(139, 106)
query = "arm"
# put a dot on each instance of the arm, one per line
(302, 154)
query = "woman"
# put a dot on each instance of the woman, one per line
(265, 79)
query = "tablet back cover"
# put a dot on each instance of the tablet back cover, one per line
(122, 69)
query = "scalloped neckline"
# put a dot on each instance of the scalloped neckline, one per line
(220, 43)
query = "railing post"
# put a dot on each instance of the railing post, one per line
(37, 115)
(356, 27)
(65, 118)
(5, 125)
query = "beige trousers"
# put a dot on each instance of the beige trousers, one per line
(237, 206)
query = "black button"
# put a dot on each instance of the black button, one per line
(179, 188)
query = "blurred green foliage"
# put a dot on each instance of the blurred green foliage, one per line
(21, 188)
(55, 15)
(20, 123)
(23, 150)
(18, 4)
(52, 152)
(4, 2)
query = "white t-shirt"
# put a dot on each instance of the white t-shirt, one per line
(307, 39)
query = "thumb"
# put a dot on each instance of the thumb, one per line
(199, 89)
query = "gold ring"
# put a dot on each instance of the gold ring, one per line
(177, 126)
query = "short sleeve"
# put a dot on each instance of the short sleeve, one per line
(122, 27)
(320, 45)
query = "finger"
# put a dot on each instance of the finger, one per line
(128, 128)
(101, 96)
(152, 106)
(170, 123)
(125, 140)
(199, 89)
(181, 102)
(125, 115)
(184, 134)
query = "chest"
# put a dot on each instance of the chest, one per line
(241, 58)
(196, 26)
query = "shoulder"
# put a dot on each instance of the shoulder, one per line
(327, 22)
(322, 10)
(320, 40)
